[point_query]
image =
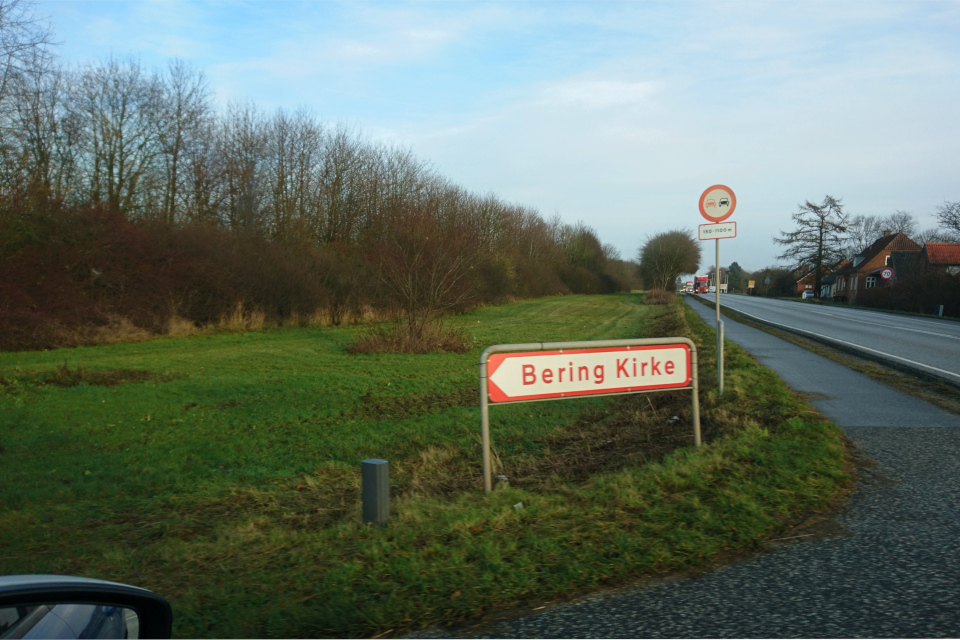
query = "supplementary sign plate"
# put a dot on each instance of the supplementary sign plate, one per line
(718, 231)
(717, 203)
(515, 377)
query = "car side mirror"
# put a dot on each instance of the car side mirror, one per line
(46, 606)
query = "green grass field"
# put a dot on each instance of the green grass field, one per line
(227, 478)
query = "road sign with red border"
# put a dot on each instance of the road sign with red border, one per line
(539, 375)
(887, 273)
(717, 203)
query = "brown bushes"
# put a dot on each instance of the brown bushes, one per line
(92, 276)
(919, 293)
(400, 338)
(659, 296)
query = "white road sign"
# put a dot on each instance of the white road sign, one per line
(718, 231)
(558, 374)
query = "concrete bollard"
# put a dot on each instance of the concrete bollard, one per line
(375, 475)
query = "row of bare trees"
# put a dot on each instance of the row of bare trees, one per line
(380, 225)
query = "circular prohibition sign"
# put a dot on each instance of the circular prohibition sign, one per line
(717, 203)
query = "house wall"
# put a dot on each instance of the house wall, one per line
(855, 281)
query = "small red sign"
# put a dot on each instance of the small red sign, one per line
(887, 273)
(717, 203)
(538, 375)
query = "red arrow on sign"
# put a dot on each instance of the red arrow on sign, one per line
(538, 375)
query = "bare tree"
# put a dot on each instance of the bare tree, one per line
(817, 240)
(243, 146)
(186, 108)
(860, 233)
(424, 266)
(204, 192)
(666, 255)
(901, 222)
(46, 137)
(936, 235)
(948, 215)
(119, 108)
(295, 153)
(25, 42)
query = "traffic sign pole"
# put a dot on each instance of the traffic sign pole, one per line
(719, 327)
(716, 205)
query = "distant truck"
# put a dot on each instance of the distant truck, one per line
(701, 283)
(688, 287)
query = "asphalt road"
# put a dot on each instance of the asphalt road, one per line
(928, 344)
(892, 570)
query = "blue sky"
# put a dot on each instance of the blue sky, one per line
(617, 114)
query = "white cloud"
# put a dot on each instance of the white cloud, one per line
(596, 94)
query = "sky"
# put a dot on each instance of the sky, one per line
(617, 114)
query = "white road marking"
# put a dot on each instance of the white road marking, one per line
(851, 344)
(876, 324)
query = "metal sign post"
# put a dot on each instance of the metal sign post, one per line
(716, 205)
(719, 326)
(561, 370)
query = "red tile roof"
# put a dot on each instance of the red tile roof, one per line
(943, 252)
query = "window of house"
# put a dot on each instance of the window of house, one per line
(854, 278)
(887, 261)
(809, 286)
(871, 282)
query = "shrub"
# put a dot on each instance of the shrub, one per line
(659, 296)
(399, 338)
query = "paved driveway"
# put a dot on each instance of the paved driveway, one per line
(893, 572)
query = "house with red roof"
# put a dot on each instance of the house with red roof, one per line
(866, 268)
(942, 256)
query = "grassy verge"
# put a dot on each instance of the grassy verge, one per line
(227, 479)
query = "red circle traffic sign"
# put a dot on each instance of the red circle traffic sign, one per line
(717, 203)
(887, 273)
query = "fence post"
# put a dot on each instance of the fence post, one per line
(375, 476)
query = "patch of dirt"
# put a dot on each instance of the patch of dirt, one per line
(642, 428)
(415, 404)
(64, 376)
(813, 396)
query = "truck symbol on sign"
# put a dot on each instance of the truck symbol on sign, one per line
(724, 202)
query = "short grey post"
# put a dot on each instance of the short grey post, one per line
(375, 475)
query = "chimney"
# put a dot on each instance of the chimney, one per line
(886, 232)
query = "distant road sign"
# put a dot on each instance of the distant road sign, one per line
(887, 273)
(752, 284)
(718, 231)
(717, 203)
(539, 375)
